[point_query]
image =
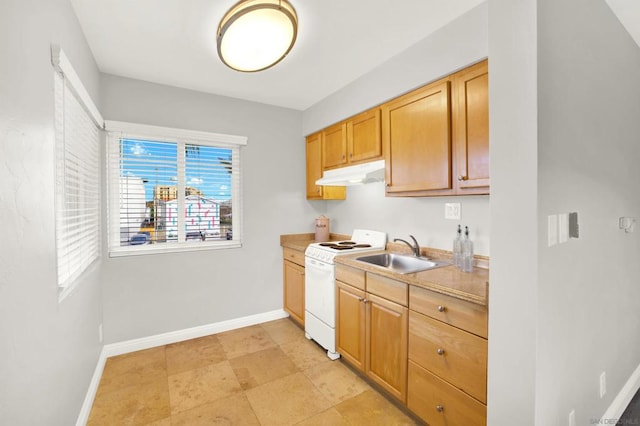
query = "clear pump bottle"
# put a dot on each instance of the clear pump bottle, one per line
(467, 252)
(457, 248)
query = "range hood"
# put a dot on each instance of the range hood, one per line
(354, 175)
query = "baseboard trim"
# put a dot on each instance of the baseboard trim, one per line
(624, 397)
(133, 345)
(91, 392)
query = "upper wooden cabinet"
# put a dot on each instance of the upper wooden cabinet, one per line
(314, 172)
(436, 138)
(471, 129)
(353, 141)
(416, 134)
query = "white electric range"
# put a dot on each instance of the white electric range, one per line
(319, 297)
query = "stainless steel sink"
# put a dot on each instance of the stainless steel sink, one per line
(401, 263)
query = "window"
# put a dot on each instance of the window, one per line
(77, 179)
(172, 189)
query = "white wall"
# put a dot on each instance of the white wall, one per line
(460, 43)
(588, 151)
(147, 295)
(48, 350)
(514, 265)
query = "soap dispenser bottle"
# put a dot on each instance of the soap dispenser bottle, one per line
(467, 252)
(457, 248)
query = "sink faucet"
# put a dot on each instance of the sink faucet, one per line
(415, 247)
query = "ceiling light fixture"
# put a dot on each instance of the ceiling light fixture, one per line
(257, 34)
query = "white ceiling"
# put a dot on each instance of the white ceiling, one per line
(628, 12)
(173, 42)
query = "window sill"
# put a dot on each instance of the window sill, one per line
(172, 248)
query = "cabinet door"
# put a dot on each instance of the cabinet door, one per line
(335, 146)
(471, 131)
(417, 139)
(386, 362)
(350, 324)
(314, 165)
(314, 172)
(363, 137)
(294, 291)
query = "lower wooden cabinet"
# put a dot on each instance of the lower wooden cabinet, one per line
(427, 349)
(293, 273)
(371, 334)
(386, 347)
(440, 404)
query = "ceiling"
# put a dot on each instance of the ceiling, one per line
(628, 12)
(172, 42)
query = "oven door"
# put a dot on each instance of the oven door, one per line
(319, 292)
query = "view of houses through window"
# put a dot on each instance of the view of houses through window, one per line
(174, 192)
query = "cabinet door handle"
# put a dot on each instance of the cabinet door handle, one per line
(439, 408)
(442, 308)
(351, 155)
(462, 177)
(360, 299)
(440, 351)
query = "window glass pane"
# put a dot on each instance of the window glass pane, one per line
(148, 182)
(207, 193)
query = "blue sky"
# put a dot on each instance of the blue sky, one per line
(155, 163)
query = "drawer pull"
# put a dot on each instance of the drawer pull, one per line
(439, 408)
(440, 351)
(442, 308)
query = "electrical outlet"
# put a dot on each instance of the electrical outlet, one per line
(100, 333)
(572, 418)
(452, 211)
(603, 384)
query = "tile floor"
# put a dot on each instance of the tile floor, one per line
(267, 374)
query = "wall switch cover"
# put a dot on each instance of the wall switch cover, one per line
(573, 225)
(563, 228)
(452, 211)
(552, 224)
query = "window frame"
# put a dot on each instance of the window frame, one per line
(117, 130)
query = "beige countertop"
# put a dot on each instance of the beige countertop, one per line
(449, 280)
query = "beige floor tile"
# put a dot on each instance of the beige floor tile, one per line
(132, 405)
(202, 385)
(305, 353)
(370, 408)
(261, 367)
(193, 353)
(286, 401)
(336, 382)
(135, 368)
(283, 331)
(162, 422)
(234, 410)
(327, 418)
(245, 341)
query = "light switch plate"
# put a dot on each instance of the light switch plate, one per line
(452, 211)
(552, 224)
(563, 228)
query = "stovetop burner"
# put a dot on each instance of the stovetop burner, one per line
(344, 245)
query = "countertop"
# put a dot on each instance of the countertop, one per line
(470, 286)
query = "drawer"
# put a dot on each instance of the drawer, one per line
(440, 404)
(294, 256)
(458, 357)
(351, 276)
(459, 313)
(390, 289)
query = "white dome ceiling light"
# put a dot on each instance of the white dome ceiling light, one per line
(257, 34)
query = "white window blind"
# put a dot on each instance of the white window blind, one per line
(77, 183)
(172, 189)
